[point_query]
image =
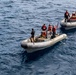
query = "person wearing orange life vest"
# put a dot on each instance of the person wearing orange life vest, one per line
(44, 27)
(44, 33)
(66, 15)
(54, 31)
(50, 28)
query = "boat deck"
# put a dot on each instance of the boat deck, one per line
(42, 39)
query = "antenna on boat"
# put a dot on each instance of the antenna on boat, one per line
(58, 24)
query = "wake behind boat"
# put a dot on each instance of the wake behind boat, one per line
(41, 43)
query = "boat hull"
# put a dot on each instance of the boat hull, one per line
(35, 46)
(67, 25)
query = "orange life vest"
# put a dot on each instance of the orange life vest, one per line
(54, 29)
(50, 28)
(73, 14)
(44, 27)
(67, 13)
(43, 34)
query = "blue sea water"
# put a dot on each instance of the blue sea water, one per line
(17, 17)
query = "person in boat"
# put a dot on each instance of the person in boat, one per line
(73, 17)
(50, 29)
(44, 27)
(54, 31)
(32, 35)
(73, 14)
(66, 16)
(44, 32)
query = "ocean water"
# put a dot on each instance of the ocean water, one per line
(17, 17)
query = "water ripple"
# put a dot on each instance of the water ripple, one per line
(17, 18)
